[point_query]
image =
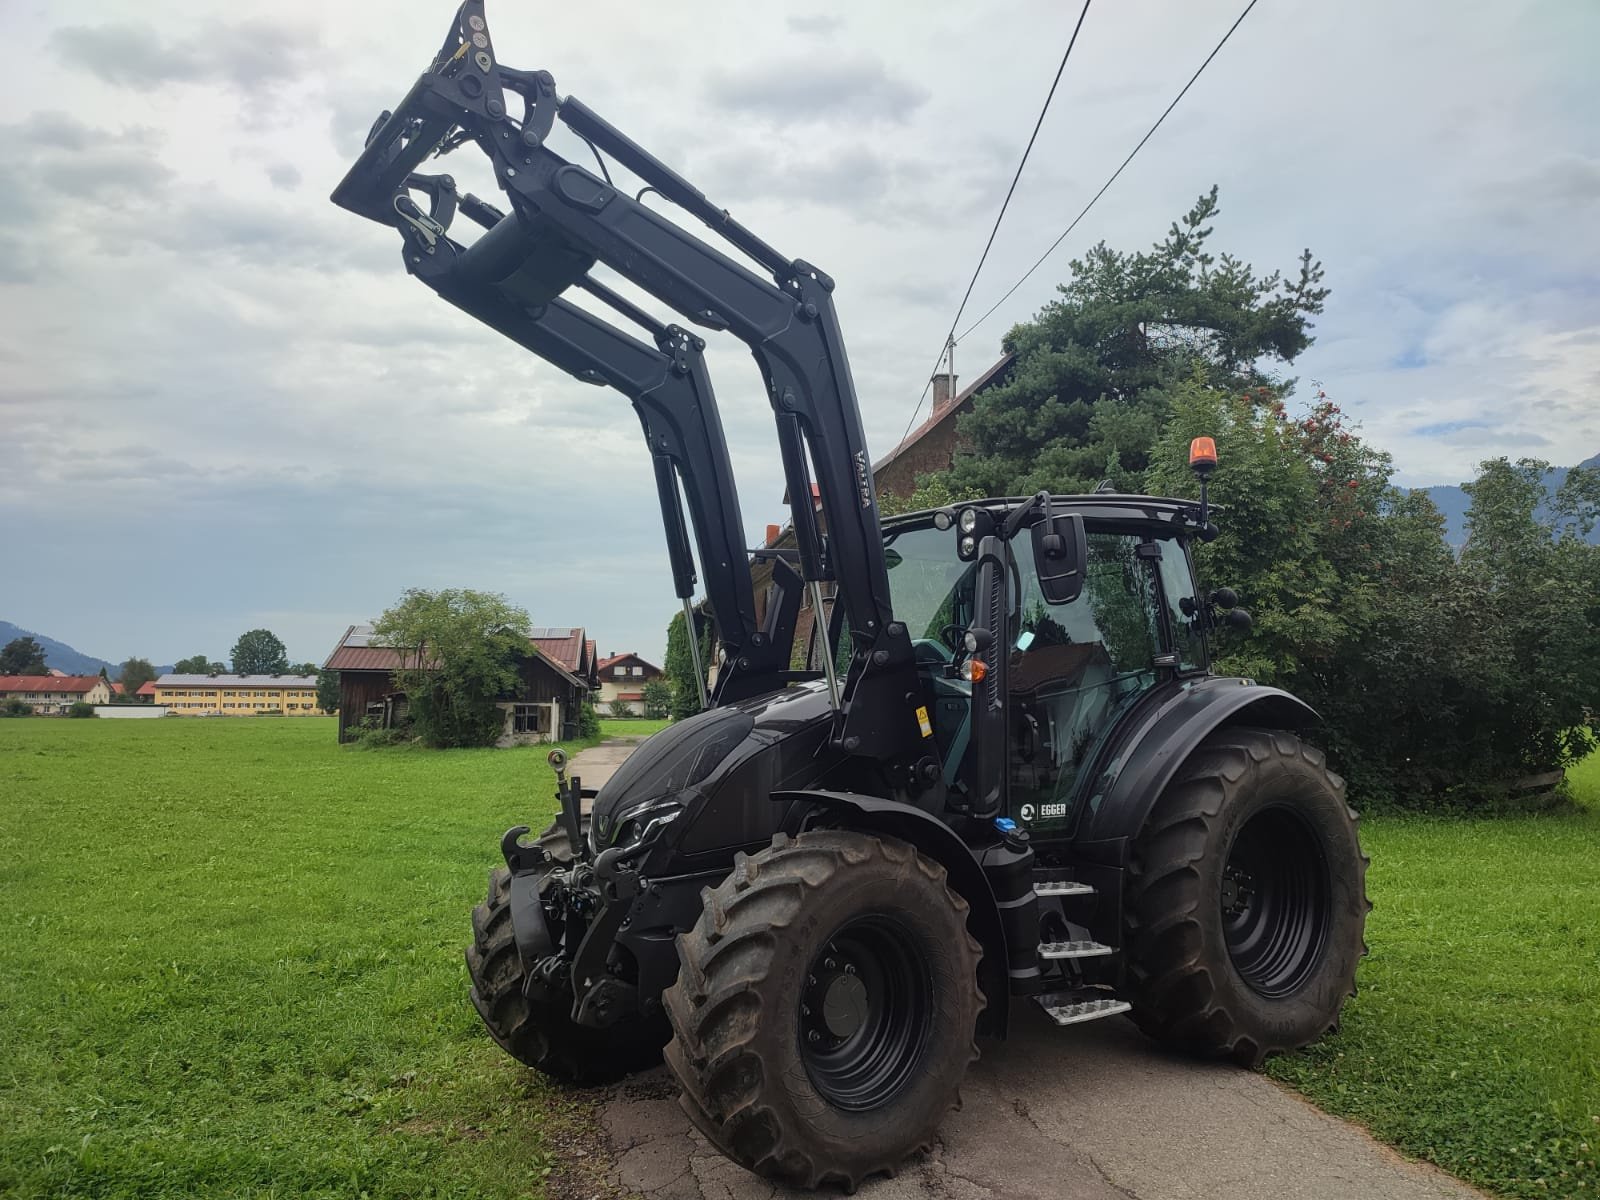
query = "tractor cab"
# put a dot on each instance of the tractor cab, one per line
(1072, 667)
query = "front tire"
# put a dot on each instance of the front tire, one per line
(539, 1030)
(825, 1006)
(1246, 900)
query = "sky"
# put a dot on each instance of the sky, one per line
(223, 405)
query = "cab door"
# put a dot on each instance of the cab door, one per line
(1074, 669)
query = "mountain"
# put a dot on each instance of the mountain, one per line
(1453, 503)
(62, 656)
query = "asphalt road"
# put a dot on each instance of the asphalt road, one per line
(1091, 1112)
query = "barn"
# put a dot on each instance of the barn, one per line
(555, 679)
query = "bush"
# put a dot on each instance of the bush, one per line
(370, 735)
(81, 709)
(588, 721)
(16, 708)
(620, 708)
(1442, 680)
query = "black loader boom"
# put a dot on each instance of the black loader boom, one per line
(563, 220)
(1029, 784)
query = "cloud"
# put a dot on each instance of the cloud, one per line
(246, 55)
(787, 93)
(814, 24)
(283, 176)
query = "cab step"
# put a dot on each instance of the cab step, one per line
(1062, 887)
(1083, 949)
(1085, 1004)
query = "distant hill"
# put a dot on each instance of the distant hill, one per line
(62, 656)
(1453, 503)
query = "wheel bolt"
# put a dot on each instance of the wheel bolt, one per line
(849, 968)
(812, 980)
(831, 965)
(813, 1037)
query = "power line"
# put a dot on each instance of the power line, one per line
(1105, 186)
(982, 258)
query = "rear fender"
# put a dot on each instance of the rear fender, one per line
(932, 837)
(1151, 754)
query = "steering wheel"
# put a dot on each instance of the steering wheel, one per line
(954, 636)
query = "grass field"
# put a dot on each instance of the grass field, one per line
(230, 965)
(1475, 1039)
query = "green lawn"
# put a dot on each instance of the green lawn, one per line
(1475, 1039)
(631, 726)
(230, 964)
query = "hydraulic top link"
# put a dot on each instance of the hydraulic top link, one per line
(564, 219)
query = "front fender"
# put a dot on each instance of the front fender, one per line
(1149, 755)
(939, 842)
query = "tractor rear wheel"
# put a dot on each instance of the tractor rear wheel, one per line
(539, 1030)
(1246, 900)
(825, 1007)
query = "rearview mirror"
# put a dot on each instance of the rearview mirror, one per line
(1060, 550)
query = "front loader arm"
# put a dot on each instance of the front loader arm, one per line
(566, 219)
(671, 392)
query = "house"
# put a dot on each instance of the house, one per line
(931, 447)
(52, 694)
(238, 695)
(146, 693)
(622, 677)
(554, 680)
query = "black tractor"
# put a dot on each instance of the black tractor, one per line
(1011, 774)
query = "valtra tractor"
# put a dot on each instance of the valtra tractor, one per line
(1011, 779)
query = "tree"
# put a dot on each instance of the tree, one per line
(201, 664)
(459, 650)
(679, 666)
(620, 708)
(328, 691)
(304, 668)
(259, 652)
(1089, 392)
(1441, 681)
(135, 673)
(657, 698)
(22, 656)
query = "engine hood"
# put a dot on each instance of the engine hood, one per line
(695, 753)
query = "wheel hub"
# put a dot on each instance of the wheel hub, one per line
(1274, 896)
(865, 1009)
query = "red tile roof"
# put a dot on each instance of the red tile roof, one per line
(630, 695)
(147, 689)
(355, 653)
(48, 683)
(561, 646)
(119, 689)
(938, 416)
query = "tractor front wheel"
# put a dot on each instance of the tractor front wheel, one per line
(538, 1029)
(825, 1006)
(1246, 900)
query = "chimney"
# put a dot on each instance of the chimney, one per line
(944, 390)
(772, 534)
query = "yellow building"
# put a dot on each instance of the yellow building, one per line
(238, 695)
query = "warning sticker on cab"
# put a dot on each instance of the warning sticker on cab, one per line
(922, 721)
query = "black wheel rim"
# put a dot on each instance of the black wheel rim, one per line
(865, 1011)
(1275, 902)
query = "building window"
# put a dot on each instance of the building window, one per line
(529, 718)
(637, 671)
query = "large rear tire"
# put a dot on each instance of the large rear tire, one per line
(539, 1030)
(1246, 900)
(825, 1006)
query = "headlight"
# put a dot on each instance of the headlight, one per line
(969, 520)
(968, 547)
